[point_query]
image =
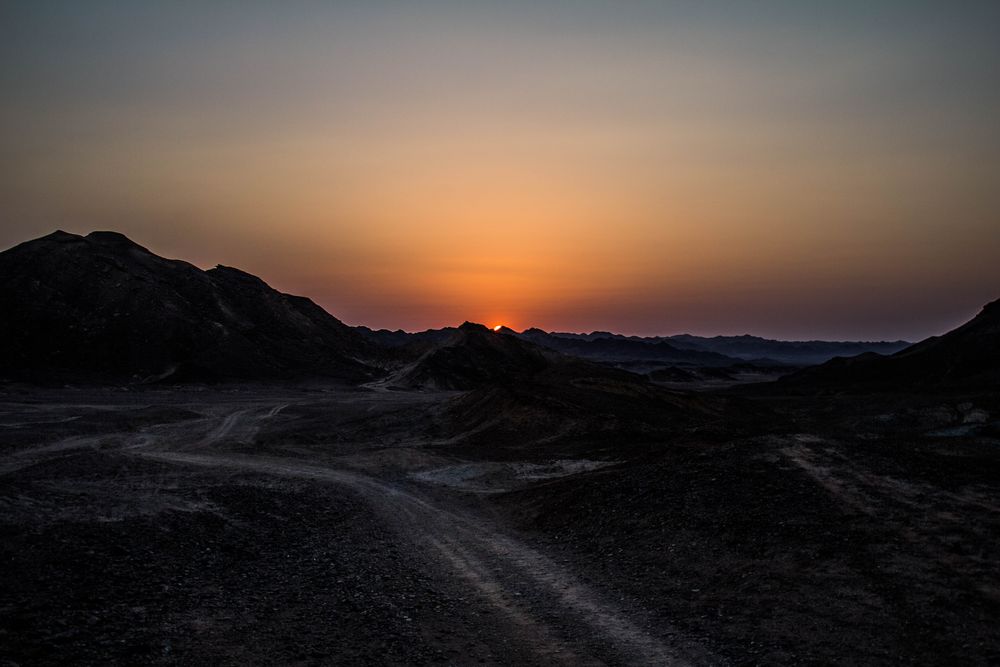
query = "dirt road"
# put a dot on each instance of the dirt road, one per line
(503, 600)
(556, 617)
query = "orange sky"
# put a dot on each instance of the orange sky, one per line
(794, 174)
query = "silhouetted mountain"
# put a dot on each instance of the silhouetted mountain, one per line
(600, 346)
(750, 348)
(528, 395)
(786, 351)
(473, 355)
(967, 357)
(682, 349)
(613, 348)
(400, 338)
(103, 307)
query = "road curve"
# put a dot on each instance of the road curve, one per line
(556, 616)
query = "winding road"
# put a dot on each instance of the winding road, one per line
(553, 614)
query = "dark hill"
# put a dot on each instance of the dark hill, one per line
(474, 355)
(801, 353)
(100, 307)
(519, 394)
(683, 349)
(582, 408)
(965, 358)
(404, 339)
(614, 348)
(679, 350)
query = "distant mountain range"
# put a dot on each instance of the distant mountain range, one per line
(102, 308)
(473, 355)
(516, 391)
(679, 350)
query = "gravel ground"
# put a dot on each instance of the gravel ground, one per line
(318, 525)
(174, 536)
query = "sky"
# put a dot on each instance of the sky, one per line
(788, 169)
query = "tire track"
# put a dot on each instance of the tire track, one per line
(559, 617)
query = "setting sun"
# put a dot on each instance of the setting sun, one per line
(650, 170)
(498, 327)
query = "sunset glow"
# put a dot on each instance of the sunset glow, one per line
(644, 167)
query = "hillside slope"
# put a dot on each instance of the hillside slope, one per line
(101, 307)
(966, 358)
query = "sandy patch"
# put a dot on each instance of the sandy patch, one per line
(495, 477)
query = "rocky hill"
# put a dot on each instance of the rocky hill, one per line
(101, 307)
(473, 355)
(965, 358)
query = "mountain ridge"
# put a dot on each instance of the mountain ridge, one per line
(966, 357)
(101, 306)
(684, 349)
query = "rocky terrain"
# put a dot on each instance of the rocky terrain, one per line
(327, 524)
(469, 499)
(245, 524)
